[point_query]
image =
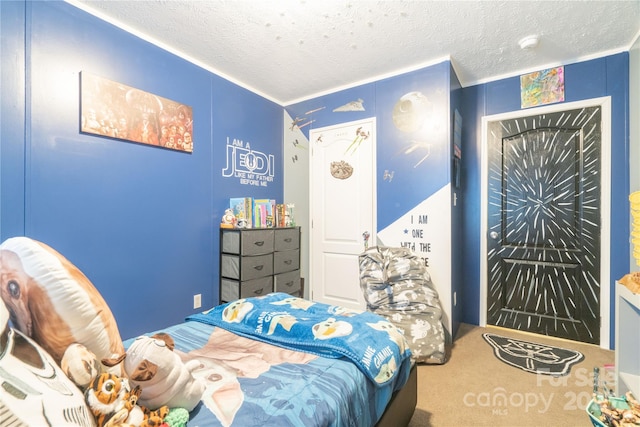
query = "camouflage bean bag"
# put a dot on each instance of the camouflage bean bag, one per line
(397, 286)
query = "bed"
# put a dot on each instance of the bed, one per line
(271, 386)
(275, 360)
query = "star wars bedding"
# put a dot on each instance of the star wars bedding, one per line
(252, 383)
(375, 345)
(397, 286)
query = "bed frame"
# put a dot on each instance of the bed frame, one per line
(402, 404)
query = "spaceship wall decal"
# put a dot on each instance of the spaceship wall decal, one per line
(351, 106)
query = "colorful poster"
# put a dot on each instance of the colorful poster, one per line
(118, 111)
(542, 87)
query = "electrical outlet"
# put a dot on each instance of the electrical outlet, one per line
(197, 301)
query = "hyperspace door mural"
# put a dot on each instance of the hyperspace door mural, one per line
(543, 213)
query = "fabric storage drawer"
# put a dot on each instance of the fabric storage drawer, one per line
(252, 260)
(254, 242)
(287, 239)
(287, 282)
(286, 261)
(231, 290)
(246, 268)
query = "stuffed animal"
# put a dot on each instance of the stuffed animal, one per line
(33, 389)
(228, 219)
(52, 302)
(113, 403)
(80, 365)
(178, 417)
(164, 378)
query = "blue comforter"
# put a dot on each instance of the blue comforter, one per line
(372, 343)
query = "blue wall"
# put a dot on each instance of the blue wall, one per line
(12, 91)
(141, 222)
(608, 76)
(409, 185)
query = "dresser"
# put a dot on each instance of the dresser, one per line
(257, 261)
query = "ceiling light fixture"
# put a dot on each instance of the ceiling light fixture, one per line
(529, 42)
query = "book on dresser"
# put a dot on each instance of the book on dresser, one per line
(258, 261)
(263, 213)
(242, 210)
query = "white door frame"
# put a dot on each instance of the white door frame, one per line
(605, 203)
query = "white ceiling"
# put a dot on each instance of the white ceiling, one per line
(291, 50)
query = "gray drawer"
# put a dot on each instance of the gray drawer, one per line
(247, 242)
(247, 267)
(287, 282)
(287, 239)
(231, 290)
(286, 261)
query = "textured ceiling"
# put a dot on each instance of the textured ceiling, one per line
(290, 50)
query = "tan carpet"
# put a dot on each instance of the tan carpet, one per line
(474, 388)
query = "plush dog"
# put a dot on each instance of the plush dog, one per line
(51, 301)
(151, 364)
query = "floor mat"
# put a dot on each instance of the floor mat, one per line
(532, 357)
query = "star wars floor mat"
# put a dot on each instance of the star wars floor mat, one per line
(531, 357)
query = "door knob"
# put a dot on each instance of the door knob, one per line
(365, 237)
(494, 235)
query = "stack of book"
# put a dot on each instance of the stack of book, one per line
(260, 213)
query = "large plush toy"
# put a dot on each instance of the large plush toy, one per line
(52, 302)
(33, 389)
(114, 403)
(151, 363)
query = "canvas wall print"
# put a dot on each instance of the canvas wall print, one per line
(542, 87)
(118, 111)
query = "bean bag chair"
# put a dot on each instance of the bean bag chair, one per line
(397, 286)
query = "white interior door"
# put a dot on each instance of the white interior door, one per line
(342, 206)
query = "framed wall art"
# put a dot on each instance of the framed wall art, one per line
(542, 87)
(115, 110)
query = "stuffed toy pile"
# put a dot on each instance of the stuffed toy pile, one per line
(157, 390)
(113, 402)
(63, 331)
(116, 401)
